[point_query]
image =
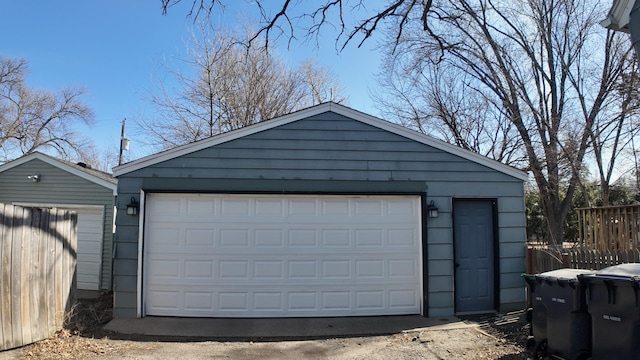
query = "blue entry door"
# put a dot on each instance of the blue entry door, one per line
(474, 255)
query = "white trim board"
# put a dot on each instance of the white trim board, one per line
(312, 111)
(58, 205)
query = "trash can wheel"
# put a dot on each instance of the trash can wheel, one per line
(540, 350)
(531, 343)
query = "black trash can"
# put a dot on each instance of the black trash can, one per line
(568, 321)
(537, 316)
(614, 305)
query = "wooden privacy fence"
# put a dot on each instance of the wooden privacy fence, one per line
(611, 227)
(38, 263)
(540, 260)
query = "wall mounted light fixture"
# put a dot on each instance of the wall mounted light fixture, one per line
(132, 207)
(432, 210)
(34, 177)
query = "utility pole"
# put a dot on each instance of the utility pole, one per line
(124, 142)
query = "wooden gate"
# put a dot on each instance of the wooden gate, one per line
(38, 263)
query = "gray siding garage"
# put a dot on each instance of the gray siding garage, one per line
(66, 185)
(322, 212)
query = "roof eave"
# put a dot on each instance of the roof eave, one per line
(61, 166)
(315, 110)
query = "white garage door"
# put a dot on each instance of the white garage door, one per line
(90, 230)
(281, 256)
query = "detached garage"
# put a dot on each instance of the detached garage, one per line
(40, 180)
(323, 212)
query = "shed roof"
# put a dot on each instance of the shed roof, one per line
(96, 176)
(306, 113)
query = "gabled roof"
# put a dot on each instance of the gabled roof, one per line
(95, 176)
(312, 111)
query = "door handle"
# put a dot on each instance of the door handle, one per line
(457, 265)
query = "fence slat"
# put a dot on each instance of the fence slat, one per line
(3, 295)
(26, 276)
(34, 275)
(16, 295)
(37, 272)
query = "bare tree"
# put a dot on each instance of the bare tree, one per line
(319, 84)
(543, 68)
(545, 65)
(232, 86)
(33, 120)
(614, 134)
(440, 103)
(355, 20)
(537, 60)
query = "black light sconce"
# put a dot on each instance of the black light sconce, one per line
(132, 207)
(432, 210)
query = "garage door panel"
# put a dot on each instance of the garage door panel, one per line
(165, 207)
(198, 300)
(268, 238)
(234, 238)
(165, 235)
(404, 299)
(200, 207)
(335, 207)
(199, 269)
(199, 237)
(233, 269)
(269, 269)
(235, 207)
(268, 301)
(166, 269)
(233, 301)
(264, 301)
(402, 238)
(300, 235)
(264, 255)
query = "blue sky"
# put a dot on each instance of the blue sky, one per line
(115, 47)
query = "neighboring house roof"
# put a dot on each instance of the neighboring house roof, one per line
(312, 111)
(96, 176)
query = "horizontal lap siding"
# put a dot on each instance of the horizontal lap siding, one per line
(341, 155)
(60, 187)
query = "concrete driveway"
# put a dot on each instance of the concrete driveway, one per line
(370, 338)
(280, 328)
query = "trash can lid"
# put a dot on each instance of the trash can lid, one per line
(564, 274)
(624, 270)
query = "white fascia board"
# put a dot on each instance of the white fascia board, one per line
(618, 17)
(319, 109)
(61, 166)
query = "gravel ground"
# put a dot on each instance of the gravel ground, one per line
(495, 337)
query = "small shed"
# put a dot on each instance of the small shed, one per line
(40, 180)
(326, 211)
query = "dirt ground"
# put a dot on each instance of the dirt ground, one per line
(496, 337)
